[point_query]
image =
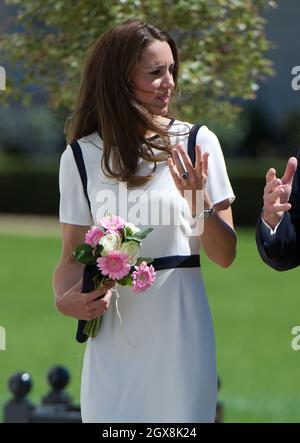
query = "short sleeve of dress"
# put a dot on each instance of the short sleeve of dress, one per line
(218, 185)
(73, 205)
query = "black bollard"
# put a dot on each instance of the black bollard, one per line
(58, 379)
(19, 408)
(57, 405)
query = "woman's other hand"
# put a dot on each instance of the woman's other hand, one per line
(85, 306)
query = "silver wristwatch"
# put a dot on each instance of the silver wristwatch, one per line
(206, 213)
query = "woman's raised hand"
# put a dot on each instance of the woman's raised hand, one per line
(196, 176)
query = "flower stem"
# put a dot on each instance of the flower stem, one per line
(92, 326)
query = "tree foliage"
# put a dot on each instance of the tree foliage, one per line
(222, 47)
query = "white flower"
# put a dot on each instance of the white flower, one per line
(110, 242)
(132, 228)
(131, 248)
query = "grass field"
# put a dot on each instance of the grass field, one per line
(254, 310)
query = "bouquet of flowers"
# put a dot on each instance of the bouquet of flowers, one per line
(113, 247)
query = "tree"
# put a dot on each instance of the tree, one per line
(222, 46)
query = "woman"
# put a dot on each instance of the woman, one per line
(167, 373)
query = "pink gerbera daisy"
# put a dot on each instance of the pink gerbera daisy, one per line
(115, 265)
(143, 277)
(93, 236)
(112, 223)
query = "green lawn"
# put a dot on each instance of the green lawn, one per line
(254, 309)
(37, 335)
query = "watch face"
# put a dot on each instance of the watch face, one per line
(208, 212)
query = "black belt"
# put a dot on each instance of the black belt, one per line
(159, 264)
(176, 261)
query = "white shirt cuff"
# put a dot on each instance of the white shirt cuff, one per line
(272, 231)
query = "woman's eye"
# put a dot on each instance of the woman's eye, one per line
(158, 71)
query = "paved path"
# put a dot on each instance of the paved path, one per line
(29, 224)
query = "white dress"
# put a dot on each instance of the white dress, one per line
(159, 364)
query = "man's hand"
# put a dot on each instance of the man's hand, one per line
(277, 193)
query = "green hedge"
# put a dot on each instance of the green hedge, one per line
(29, 192)
(35, 192)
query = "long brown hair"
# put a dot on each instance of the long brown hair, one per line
(106, 105)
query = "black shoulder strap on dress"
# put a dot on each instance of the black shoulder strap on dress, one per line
(80, 335)
(192, 142)
(81, 167)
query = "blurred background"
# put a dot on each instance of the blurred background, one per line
(238, 76)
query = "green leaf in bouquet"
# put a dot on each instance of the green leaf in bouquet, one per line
(126, 281)
(127, 231)
(138, 240)
(108, 213)
(98, 250)
(98, 280)
(142, 234)
(146, 259)
(123, 232)
(84, 254)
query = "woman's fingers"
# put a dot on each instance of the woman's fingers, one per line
(181, 162)
(99, 307)
(186, 160)
(86, 306)
(205, 163)
(174, 173)
(179, 167)
(198, 159)
(107, 297)
(104, 302)
(98, 293)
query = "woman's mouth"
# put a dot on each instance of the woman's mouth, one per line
(164, 98)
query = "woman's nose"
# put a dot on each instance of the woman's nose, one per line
(168, 81)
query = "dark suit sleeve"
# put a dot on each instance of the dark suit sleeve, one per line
(281, 250)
